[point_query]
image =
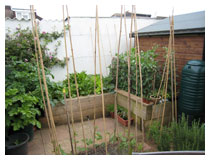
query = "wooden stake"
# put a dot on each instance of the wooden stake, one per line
(115, 28)
(116, 130)
(102, 93)
(94, 104)
(174, 67)
(68, 122)
(129, 83)
(126, 37)
(110, 46)
(103, 54)
(136, 55)
(56, 146)
(69, 87)
(140, 76)
(169, 54)
(75, 78)
(40, 80)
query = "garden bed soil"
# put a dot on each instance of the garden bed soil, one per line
(113, 149)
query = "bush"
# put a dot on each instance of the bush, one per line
(149, 67)
(178, 135)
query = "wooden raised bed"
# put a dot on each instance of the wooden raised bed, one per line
(87, 104)
(145, 110)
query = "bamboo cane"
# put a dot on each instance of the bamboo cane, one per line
(116, 130)
(110, 46)
(136, 37)
(174, 66)
(56, 146)
(40, 81)
(172, 86)
(76, 84)
(168, 66)
(103, 53)
(68, 122)
(164, 84)
(139, 55)
(69, 87)
(94, 104)
(129, 83)
(102, 93)
(115, 29)
(126, 37)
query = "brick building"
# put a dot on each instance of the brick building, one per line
(189, 30)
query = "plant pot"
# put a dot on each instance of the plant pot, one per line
(20, 148)
(112, 114)
(155, 99)
(147, 101)
(124, 122)
(29, 129)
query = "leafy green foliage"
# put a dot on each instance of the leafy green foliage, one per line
(20, 110)
(121, 111)
(20, 45)
(185, 137)
(149, 67)
(86, 84)
(179, 135)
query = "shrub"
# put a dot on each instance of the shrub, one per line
(149, 67)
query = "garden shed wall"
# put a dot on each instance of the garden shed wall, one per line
(187, 47)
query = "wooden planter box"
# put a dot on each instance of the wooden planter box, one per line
(124, 122)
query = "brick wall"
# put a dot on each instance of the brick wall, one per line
(187, 47)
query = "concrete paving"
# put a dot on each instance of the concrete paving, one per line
(41, 145)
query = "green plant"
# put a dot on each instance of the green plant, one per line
(185, 137)
(179, 135)
(149, 68)
(20, 44)
(86, 84)
(20, 110)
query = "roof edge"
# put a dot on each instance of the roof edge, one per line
(176, 32)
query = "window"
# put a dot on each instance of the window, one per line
(18, 15)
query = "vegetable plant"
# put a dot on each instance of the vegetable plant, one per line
(149, 68)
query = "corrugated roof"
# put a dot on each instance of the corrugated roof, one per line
(183, 24)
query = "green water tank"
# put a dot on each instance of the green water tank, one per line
(192, 92)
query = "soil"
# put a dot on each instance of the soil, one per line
(112, 149)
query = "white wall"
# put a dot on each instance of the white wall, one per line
(81, 37)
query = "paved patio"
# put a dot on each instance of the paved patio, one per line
(41, 145)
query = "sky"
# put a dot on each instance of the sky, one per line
(49, 10)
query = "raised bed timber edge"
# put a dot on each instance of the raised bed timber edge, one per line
(87, 104)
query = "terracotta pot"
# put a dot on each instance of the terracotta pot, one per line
(124, 122)
(112, 114)
(147, 101)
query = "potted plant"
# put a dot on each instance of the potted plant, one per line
(16, 144)
(122, 116)
(110, 109)
(155, 97)
(20, 111)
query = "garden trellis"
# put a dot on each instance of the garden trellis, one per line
(170, 61)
